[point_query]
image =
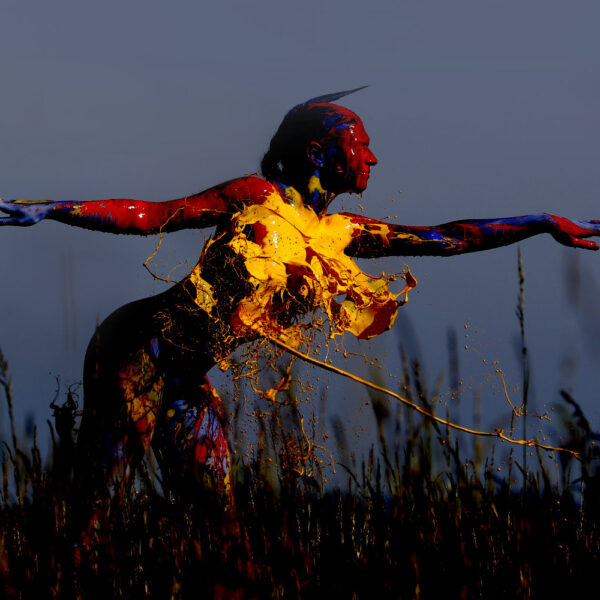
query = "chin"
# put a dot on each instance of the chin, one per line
(361, 185)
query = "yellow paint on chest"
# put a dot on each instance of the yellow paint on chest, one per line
(289, 250)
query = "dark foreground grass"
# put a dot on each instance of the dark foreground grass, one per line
(401, 528)
(416, 519)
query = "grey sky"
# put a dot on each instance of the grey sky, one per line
(476, 109)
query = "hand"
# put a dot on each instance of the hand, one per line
(572, 232)
(24, 212)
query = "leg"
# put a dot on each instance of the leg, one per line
(123, 389)
(193, 450)
(190, 440)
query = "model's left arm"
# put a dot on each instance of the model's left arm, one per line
(372, 238)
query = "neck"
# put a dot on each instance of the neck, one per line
(310, 192)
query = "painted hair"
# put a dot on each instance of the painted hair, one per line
(312, 121)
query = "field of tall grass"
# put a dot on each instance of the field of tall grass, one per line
(416, 517)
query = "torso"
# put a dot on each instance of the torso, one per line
(276, 261)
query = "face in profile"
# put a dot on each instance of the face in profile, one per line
(347, 159)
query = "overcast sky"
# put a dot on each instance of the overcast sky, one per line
(476, 109)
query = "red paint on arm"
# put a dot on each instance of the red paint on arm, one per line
(373, 238)
(205, 209)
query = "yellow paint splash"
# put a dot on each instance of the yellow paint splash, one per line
(289, 249)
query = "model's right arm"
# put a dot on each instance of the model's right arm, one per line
(204, 209)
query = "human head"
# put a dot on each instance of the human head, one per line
(318, 134)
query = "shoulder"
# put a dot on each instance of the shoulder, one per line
(248, 189)
(360, 220)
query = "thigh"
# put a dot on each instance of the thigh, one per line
(123, 391)
(191, 441)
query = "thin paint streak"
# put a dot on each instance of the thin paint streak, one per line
(499, 433)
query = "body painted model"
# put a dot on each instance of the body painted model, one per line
(276, 256)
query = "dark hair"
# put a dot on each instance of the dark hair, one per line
(286, 157)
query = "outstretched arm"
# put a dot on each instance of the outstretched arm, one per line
(205, 209)
(376, 238)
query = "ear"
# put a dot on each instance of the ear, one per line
(315, 154)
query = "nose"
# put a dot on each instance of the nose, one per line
(371, 158)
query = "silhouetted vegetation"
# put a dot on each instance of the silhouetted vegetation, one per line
(415, 519)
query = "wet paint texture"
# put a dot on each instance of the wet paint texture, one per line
(375, 238)
(196, 436)
(151, 408)
(124, 215)
(291, 259)
(276, 260)
(296, 263)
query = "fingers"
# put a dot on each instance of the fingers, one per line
(7, 206)
(10, 206)
(581, 243)
(11, 221)
(589, 245)
(17, 216)
(592, 227)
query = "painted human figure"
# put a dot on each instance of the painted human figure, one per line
(276, 256)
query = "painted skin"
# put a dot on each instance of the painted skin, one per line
(276, 256)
